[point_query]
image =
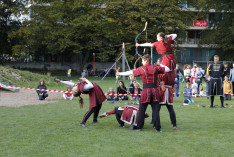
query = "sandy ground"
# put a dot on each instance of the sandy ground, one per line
(25, 97)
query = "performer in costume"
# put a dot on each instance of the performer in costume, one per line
(127, 114)
(163, 47)
(217, 71)
(150, 93)
(96, 97)
(167, 94)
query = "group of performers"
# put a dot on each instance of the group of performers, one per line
(157, 81)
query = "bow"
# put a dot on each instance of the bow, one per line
(136, 41)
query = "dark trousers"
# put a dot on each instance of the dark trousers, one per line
(233, 88)
(227, 97)
(172, 114)
(155, 112)
(95, 110)
(42, 97)
(118, 114)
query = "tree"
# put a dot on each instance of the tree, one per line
(93, 26)
(9, 11)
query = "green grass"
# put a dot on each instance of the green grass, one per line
(53, 130)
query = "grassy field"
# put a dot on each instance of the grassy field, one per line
(53, 130)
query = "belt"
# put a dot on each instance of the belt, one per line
(167, 53)
(150, 85)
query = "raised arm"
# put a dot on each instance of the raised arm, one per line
(173, 36)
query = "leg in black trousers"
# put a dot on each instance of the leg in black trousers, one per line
(172, 114)
(157, 108)
(141, 115)
(118, 114)
(96, 112)
(211, 101)
(233, 88)
(87, 115)
(221, 100)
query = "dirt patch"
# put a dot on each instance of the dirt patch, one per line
(25, 97)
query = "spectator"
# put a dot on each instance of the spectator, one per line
(227, 88)
(83, 74)
(187, 72)
(122, 90)
(68, 96)
(177, 82)
(207, 81)
(42, 94)
(188, 94)
(232, 77)
(202, 92)
(69, 73)
(194, 87)
(111, 97)
(136, 90)
(198, 76)
(193, 74)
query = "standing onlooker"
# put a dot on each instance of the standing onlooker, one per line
(193, 73)
(199, 78)
(227, 88)
(187, 72)
(232, 78)
(216, 71)
(69, 95)
(207, 83)
(42, 94)
(177, 82)
(69, 73)
(188, 94)
(194, 87)
(122, 90)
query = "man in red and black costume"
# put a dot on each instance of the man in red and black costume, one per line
(150, 93)
(127, 114)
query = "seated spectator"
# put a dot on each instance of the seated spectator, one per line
(42, 94)
(68, 96)
(202, 92)
(188, 94)
(122, 90)
(111, 97)
(194, 87)
(83, 74)
(136, 90)
(227, 88)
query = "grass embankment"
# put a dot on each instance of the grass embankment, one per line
(53, 130)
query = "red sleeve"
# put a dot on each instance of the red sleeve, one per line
(160, 70)
(154, 45)
(137, 72)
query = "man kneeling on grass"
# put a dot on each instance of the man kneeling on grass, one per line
(127, 114)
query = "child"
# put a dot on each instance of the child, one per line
(202, 93)
(194, 87)
(42, 94)
(69, 73)
(68, 96)
(227, 88)
(111, 97)
(136, 90)
(83, 74)
(188, 94)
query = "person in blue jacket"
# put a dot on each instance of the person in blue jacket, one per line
(188, 94)
(42, 94)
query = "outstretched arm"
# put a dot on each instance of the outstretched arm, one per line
(124, 73)
(145, 45)
(87, 86)
(173, 36)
